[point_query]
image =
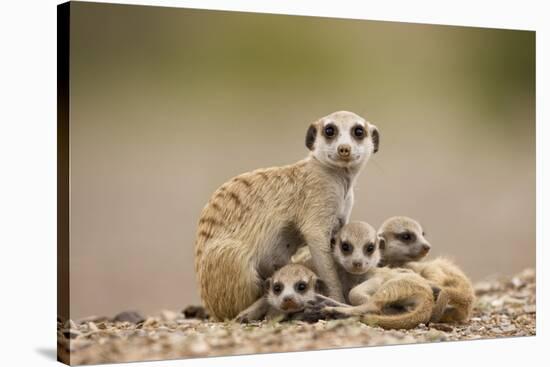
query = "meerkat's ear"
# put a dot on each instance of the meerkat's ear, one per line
(321, 287)
(267, 284)
(381, 242)
(332, 243)
(375, 138)
(310, 136)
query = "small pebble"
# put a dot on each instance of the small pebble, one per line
(530, 309)
(507, 308)
(129, 316)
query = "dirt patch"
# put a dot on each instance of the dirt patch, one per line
(504, 307)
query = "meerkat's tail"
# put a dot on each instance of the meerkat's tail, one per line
(416, 299)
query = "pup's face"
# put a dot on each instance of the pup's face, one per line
(402, 240)
(355, 248)
(292, 287)
(342, 139)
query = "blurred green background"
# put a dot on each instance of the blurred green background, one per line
(167, 104)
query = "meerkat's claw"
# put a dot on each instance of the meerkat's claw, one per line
(242, 319)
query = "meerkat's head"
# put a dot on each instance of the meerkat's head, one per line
(355, 249)
(292, 287)
(401, 240)
(342, 139)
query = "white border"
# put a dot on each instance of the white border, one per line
(28, 181)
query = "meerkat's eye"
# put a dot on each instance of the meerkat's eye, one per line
(359, 132)
(369, 248)
(408, 237)
(346, 247)
(330, 131)
(277, 288)
(301, 286)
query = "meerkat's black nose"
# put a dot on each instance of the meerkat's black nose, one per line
(425, 248)
(357, 264)
(344, 150)
(287, 298)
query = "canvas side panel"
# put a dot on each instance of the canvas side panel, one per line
(63, 179)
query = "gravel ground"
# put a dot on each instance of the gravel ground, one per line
(504, 307)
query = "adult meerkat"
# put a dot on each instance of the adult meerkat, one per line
(255, 222)
(402, 244)
(287, 293)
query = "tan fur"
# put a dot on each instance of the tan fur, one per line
(396, 250)
(456, 296)
(290, 300)
(376, 299)
(255, 222)
(454, 285)
(357, 235)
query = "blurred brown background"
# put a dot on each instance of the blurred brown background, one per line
(167, 104)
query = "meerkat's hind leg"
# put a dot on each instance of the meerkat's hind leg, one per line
(227, 296)
(441, 301)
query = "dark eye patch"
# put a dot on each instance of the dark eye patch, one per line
(369, 248)
(330, 131)
(358, 132)
(300, 286)
(278, 287)
(346, 248)
(406, 237)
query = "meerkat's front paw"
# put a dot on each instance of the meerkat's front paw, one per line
(242, 318)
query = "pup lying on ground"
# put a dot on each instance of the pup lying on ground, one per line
(390, 298)
(402, 243)
(288, 293)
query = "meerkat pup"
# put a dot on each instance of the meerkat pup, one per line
(401, 240)
(255, 222)
(354, 252)
(288, 292)
(388, 297)
(402, 244)
(391, 298)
